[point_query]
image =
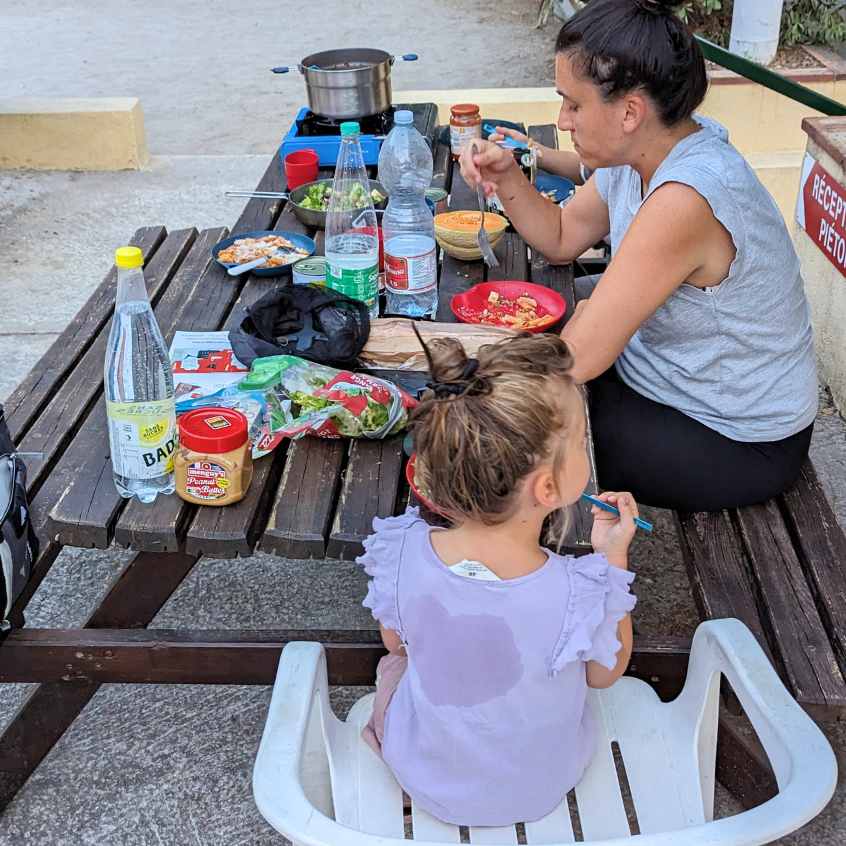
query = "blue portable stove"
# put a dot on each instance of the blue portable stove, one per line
(323, 135)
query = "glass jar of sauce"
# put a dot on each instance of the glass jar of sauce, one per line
(465, 124)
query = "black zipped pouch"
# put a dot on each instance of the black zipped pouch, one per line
(18, 544)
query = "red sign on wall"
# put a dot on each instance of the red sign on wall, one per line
(821, 211)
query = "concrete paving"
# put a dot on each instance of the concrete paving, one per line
(202, 67)
(168, 765)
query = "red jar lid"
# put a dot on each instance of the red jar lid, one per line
(464, 109)
(213, 430)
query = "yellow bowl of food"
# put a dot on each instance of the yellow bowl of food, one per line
(457, 232)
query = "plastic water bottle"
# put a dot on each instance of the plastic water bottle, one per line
(352, 233)
(139, 389)
(411, 271)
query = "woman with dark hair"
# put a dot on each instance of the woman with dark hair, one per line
(696, 341)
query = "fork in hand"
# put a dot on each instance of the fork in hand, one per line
(484, 244)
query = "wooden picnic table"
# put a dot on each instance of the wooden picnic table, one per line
(312, 498)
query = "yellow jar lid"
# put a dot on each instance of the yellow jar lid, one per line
(127, 257)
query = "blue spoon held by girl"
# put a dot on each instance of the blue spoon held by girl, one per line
(641, 524)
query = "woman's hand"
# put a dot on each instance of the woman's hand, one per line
(611, 535)
(486, 163)
(503, 132)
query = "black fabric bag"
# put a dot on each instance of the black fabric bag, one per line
(18, 544)
(308, 321)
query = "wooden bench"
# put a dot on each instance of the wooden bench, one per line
(780, 567)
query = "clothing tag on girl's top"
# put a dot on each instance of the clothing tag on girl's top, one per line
(474, 570)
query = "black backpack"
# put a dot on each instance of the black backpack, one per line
(18, 544)
(309, 321)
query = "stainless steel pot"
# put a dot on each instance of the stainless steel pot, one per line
(348, 84)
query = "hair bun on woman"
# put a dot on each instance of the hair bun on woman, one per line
(658, 7)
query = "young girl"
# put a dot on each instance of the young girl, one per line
(494, 640)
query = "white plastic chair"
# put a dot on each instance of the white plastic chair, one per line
(319, 784)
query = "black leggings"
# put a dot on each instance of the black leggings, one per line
(669, 460)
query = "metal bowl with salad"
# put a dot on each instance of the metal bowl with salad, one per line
(311, 201)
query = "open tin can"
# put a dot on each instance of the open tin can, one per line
(311, 270)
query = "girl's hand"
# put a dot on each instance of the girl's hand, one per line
(485, 163)
(611, 535)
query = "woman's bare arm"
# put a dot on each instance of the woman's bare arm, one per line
(673, 236)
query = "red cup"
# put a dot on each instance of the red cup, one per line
(301, 167)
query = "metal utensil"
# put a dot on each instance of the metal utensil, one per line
(485, 244)
(265, 195)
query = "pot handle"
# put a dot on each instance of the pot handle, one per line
(406, 57)
(286, 68)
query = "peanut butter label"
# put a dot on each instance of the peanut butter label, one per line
(217, 422)
(206, 480)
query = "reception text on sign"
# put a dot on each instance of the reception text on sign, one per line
(821, 211)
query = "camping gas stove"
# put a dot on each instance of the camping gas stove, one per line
(323, 135)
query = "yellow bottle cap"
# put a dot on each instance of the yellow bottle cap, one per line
(128, 257)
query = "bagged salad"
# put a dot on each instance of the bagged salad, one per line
(266, 411)
(331, 403)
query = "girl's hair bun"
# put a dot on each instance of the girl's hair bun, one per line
(658, 7)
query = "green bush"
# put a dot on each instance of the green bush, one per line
(813, 22)
(802, 22)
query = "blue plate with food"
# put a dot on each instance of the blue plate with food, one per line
(555, 188)
(278, 249)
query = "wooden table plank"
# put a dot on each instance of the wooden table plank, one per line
(63, 473)
(441, 165)
(718, 570)
(821, 547)
(369, 489)
(160, 527)
(169, 656)
(262, 214)
(235, 530)
(513, 258)
(371, 483)
(789, 612)
(39, 386)
(301, 508)
(372, 480)
(89, 504)
(302, 511)
(61, 417)
(457, 275)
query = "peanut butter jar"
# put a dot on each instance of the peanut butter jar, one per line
(213, 465)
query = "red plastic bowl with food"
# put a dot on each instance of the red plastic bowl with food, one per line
(409, 475)
(512, 304)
